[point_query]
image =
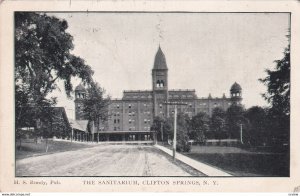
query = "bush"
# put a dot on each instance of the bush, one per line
(183, 146)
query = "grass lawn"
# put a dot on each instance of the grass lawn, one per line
(35, 149)
(240, 162)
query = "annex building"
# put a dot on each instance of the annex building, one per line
(131, 116)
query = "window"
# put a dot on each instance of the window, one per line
(160, 83)
(115, 128)
(160, 105)
(118, 120)
(129, 106)
(115, 121)
(118, 106)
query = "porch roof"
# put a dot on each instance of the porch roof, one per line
(125, 132)
(80, 125)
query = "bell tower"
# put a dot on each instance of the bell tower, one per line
(80, 95)
(236, 94)
(160, 85)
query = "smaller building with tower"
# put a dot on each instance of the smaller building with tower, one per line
(131, 117)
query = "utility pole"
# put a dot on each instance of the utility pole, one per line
(241, 134)
(72, 133)
(175, 124)
(175, 132)
(161, 132)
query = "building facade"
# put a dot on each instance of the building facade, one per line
(131, 117)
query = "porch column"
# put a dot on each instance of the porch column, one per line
(123, 137)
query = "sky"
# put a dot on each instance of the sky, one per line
(207, 52)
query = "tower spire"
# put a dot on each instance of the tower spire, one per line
(160, 60)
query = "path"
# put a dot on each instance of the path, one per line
(105, 160)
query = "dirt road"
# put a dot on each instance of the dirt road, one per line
(105, 160)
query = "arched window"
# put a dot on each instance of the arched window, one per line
(162, 83)
(157, 83)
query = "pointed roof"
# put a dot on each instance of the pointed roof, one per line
(80, 87)
(160, 60)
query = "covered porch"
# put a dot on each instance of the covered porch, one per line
(80, 130)
(126, 136)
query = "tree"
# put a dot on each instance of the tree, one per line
(199, 125)
(217, 123)
(257, 132)
(278, 95)
(95, 105)
(42, 57)
(159, 126)
(234, 119)
(181, 132)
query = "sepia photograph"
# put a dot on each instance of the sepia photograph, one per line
(152, 94)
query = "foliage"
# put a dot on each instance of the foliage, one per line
(42, 57)
(199, 125)
(159, 126)
(278, 84)
(278, 95)
(181, 131)
(95, 105)
(234, 118)
(217, 124)
(257, 133)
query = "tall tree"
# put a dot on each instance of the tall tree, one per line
(217, 123)
(257, 132)
(95, 105)
(234, 119)
(42, 57)
(159, 126)
(181, 131)
(199, 125)
(278, 95)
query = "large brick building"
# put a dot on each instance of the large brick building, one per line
(131, 117)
